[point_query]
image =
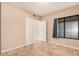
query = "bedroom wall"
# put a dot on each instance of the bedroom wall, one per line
(13, 26)
(50, 22)
(0, 29)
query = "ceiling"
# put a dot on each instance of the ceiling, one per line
(44, 8)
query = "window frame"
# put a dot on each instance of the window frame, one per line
(65, 27)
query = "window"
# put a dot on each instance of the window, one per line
(67, 27)
(55, 29)
(71, 27)
(61, 28)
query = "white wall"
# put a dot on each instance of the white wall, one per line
(13, 26)
(29, 35)
(40, 30)
(36, 29)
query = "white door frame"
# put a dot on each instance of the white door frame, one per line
(46, 33)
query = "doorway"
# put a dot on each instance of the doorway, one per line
(34, 30)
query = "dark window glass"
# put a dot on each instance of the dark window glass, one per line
(71, 27)
(55, 29)
(66, 27)
(61, 28)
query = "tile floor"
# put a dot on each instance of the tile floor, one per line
(42, 49)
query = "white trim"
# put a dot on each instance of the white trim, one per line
(64, 45)
(13, 48)
(39, 41)
(58, 44)
(36, 41)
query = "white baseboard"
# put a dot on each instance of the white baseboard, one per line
(38, 41)
(27, 44)
(13, 48)
(64, 45)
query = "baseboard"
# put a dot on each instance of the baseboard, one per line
(63, 45)
(13, 48)
(2, 51)
(38, 41)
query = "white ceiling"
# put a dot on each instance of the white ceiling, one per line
(44, 8)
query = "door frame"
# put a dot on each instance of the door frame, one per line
(46, 31)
